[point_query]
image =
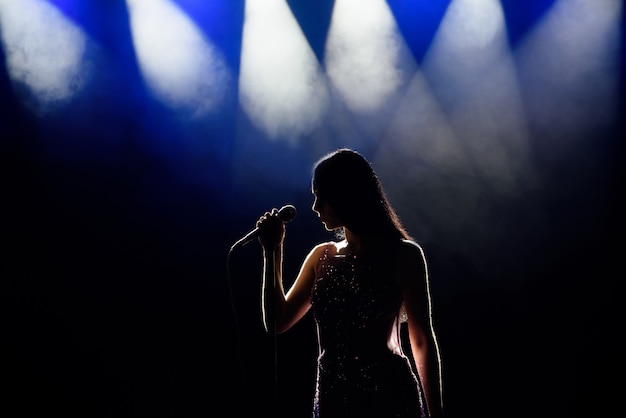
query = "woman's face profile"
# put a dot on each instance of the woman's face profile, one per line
(324, 212)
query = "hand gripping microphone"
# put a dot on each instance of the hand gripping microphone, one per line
(286, 214)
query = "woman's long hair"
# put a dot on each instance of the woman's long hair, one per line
(347, 182)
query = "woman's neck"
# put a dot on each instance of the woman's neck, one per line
(358, 243)
(354, 243)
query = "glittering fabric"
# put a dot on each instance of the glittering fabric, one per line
(362, 371)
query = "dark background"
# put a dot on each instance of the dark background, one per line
(120, 298)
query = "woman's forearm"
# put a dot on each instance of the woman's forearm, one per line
(272, 288)
(429, 370)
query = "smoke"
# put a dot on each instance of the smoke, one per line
(183, 69)
(45, 53)
(282, 88)
(575, 92)
(366, 58)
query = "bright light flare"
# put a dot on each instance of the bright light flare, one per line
(366, 58)
(570, 67)
(470, 41)
(460, 133)
(45, 52)
(282, 88)
(182, 68)
(472, 73)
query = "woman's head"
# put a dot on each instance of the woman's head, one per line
(346, 182)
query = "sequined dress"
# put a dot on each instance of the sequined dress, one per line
(362, 371)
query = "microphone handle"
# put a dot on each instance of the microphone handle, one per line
(286, 213)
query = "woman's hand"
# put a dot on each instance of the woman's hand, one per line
(271, 229)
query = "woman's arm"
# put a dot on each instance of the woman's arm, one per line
(424, 348)
(281, 311)
(298, 299)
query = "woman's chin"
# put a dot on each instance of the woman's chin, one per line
(330, 226)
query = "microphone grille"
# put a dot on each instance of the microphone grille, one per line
(287, 213)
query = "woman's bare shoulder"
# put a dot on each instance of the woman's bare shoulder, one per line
(409, 251)
(317, 254)
(319, 249)
(409, 246)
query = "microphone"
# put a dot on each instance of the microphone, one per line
(286, 214)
